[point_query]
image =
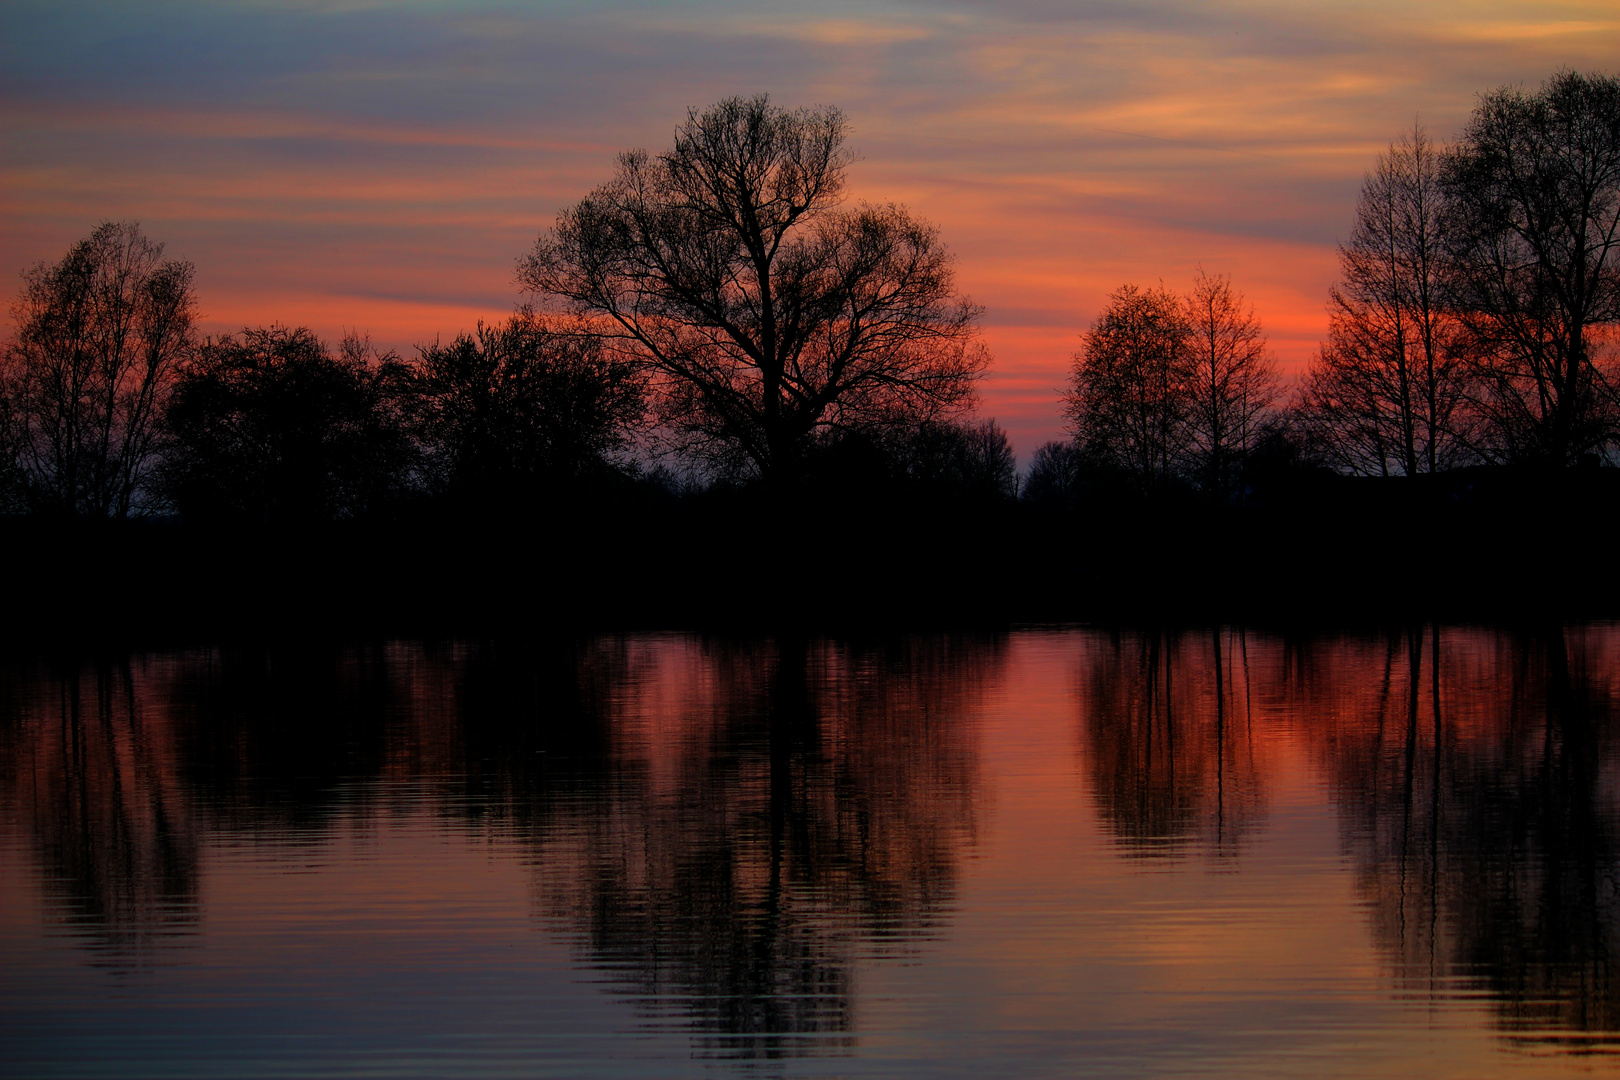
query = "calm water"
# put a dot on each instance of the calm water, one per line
(1038, 854)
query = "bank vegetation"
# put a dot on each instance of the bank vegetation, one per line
(716, 355)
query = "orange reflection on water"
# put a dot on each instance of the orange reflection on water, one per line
(1391, 853)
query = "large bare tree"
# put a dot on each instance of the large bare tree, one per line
(1534, 232)
(1387, 391)
(1232, 380)
(96, 343)
(769, 312)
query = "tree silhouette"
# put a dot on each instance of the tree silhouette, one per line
(13, 482)
(1054, 475)
(1386, 394)
(1533, 228)
(768, 313)
(1129, 399)
(97, 340)
(1232, 382)
(271, 427)
(512, 407)
(972, 459)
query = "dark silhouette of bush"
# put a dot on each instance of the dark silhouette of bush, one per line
(1068, 476)
(1054, 475)
(533, 404)
(271, 427)
(940, 460)
(961, 459)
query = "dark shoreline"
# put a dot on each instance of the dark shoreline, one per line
(1483, 547)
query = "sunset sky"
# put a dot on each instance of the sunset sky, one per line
(379, 166)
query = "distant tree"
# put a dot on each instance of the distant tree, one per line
(532, 401)
(1129, 400)
(974, 459)
(1386, 393)
(1232, 381)
(1055, 473)
(767, 313)
(1286, 454)
(96, 341)
(1533, 229)
(272, 427)
(941, 460)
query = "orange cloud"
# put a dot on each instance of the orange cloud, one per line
(383, 167)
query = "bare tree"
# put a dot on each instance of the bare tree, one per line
(1534, 229)
(97, 338)
(1232, 380)
(768, 313)
(1128, 404)
(1387, 391)
(1343, 410)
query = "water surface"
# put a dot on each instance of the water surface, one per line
(1044, 853)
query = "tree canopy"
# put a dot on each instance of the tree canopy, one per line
(1533, 230)
(98, 337)
(767, 311)
(528, 403)
(269, 426)
(1130, 395)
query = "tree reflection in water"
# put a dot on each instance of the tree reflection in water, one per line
(1169, 734)
(771, 812)
(88, 760)
(1475, 773)
(1479, 801)
(725, 829)
(726, 826)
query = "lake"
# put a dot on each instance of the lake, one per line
(1046, 852)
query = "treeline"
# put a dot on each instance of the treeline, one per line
(710, 318)
(1473, 324)
(114, 408)
(723, 370)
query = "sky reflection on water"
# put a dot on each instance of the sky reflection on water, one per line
(1032, 854)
